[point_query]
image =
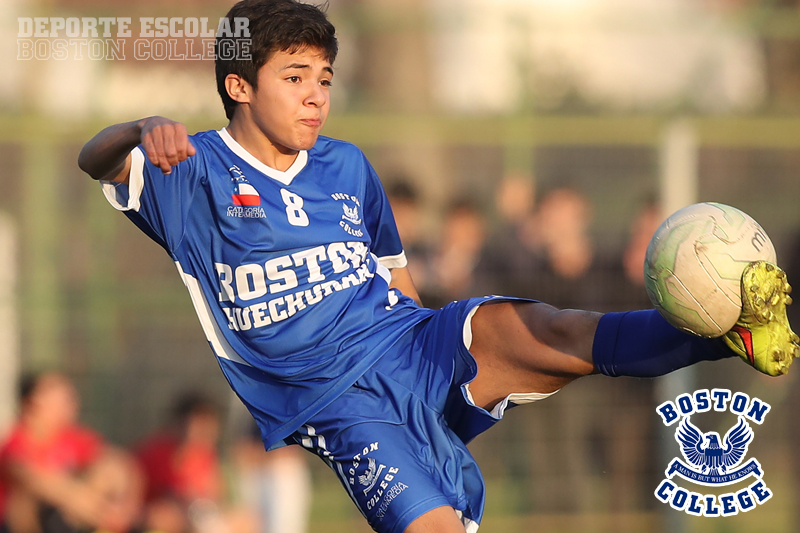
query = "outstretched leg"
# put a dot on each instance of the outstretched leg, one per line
(534, 347)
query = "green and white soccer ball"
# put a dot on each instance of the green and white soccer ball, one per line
(694, 265)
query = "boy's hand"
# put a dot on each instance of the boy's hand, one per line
(165, 142)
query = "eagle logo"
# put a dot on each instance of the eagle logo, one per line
(370, 477)
(704, 451)
(351, 215)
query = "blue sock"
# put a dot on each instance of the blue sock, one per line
(642, 344)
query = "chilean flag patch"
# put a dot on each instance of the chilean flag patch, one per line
(245, 194)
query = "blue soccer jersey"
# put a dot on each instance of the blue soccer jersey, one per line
(288, 271)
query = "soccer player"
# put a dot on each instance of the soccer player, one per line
(287, 245)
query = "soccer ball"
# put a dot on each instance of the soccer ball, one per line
(694, 264)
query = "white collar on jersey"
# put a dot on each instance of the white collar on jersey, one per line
(284, 177)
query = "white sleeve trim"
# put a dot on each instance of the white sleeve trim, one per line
(394, 261)
(116, 197)
(211, 328)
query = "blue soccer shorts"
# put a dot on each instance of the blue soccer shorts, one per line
(396, 438)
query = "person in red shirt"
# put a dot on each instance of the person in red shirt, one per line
(183, 476)
(181, 461)
(52, 470)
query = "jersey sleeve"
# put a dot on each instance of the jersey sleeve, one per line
(157, 203)
(380, 223)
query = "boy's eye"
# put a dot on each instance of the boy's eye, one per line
(326, 83)
(293, 79)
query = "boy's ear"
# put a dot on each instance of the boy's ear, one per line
(238, 89)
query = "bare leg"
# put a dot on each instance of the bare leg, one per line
(529, 347)
(439, 520)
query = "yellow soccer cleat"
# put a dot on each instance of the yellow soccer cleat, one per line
(763, 336)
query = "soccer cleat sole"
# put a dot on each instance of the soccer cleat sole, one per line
(763, 336)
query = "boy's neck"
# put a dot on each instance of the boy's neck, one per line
(252, 139)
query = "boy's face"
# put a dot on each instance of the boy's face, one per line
(292, 101)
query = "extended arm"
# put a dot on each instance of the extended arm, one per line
(107, 155)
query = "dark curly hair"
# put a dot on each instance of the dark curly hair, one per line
(274, 26)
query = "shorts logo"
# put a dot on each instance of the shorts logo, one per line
(245, 198)
(376, 485)
(370, 477)
(710, 460)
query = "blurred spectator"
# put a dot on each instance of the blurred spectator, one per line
(625, 277)
(515, 198)
(408, 215)
(59, 477)
(275, 484)
(565, 271)
(511, 257)
(562, 229)
(546, 253)
(642, 229)
(183, 477)
(404, 200)
(454, 263)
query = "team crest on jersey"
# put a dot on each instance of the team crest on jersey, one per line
(351, 214)
(351, 207)
(711, 460)
(245, 198)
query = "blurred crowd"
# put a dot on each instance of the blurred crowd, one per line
(58, 476)
(528, 244)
